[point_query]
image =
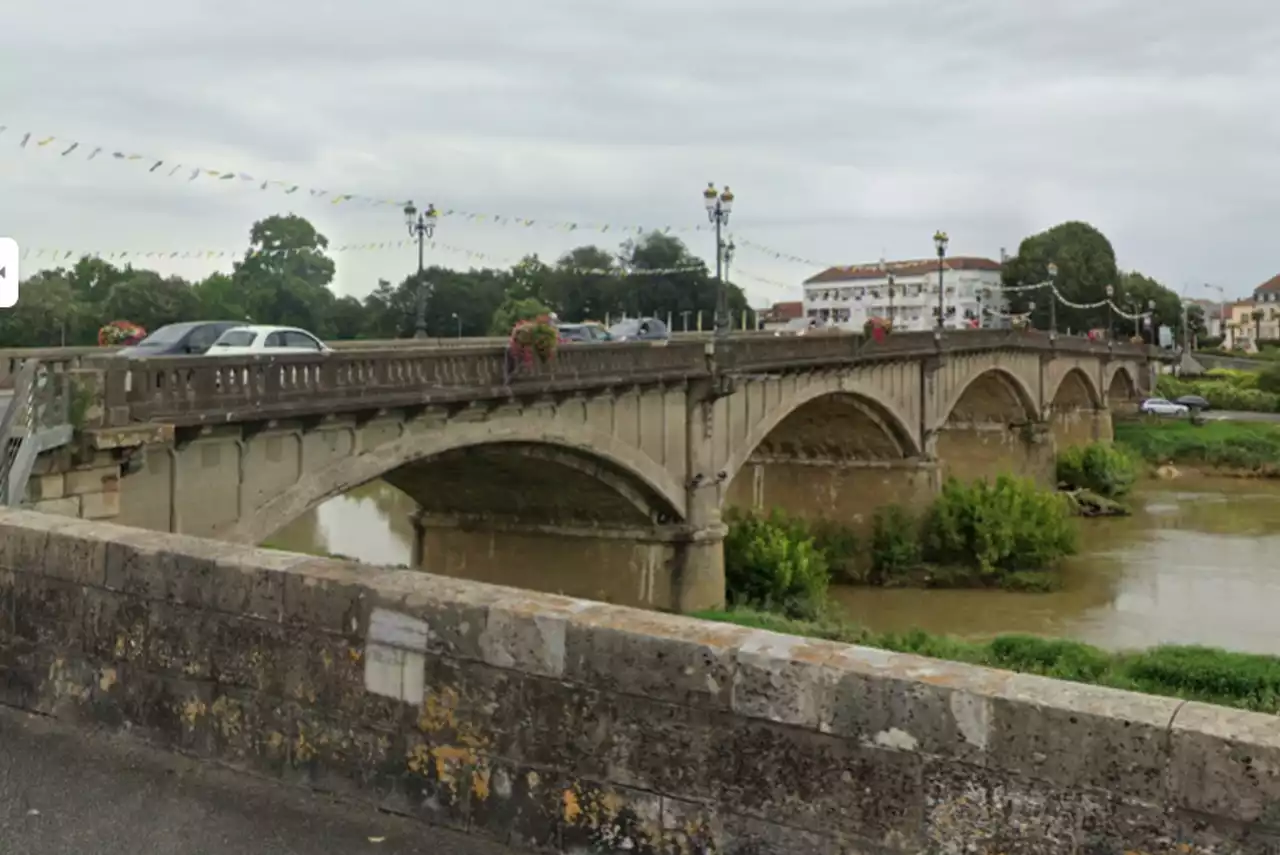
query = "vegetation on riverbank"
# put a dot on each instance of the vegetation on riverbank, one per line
(1099, 467)
(1243, 680)
(1250, 448)
(1229, 389)
(1005, 533)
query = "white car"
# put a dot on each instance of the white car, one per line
(265, 341)
(1161, 407)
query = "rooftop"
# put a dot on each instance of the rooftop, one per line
(787, 311)
(1272, 284)
(912, 267)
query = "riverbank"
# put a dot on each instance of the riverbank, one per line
(1248, 449)
(1243, 680)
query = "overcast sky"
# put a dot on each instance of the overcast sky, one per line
(848, 129)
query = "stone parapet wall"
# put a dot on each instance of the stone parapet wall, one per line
(564, 725)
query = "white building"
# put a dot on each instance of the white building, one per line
(906, 293)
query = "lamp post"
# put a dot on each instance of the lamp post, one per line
(1111, 292)
(889, 283)
(729, 249)
(719, 204)
(940, 241)
(459, 322)
(1151, 320)
(1053, 301)
(422, 225)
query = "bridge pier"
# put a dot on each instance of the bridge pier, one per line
(845, 491)
(667, 567)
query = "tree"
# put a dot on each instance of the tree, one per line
(48, 315)
(1086, 266)
(1257, 315)
(285, 275)
(1137, 294)
(147, 299)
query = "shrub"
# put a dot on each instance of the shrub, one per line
(1234, 445)
(1224, 390)
(1006, 525)
(839, 545)
(1099, 467)
(895, 543)
(1268, 379)
(772, 562)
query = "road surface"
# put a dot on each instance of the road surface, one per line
(1230, 416)
(66, 792)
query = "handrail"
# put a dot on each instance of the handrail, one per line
(212, 389)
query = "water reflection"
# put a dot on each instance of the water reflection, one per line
(369, 523)
(1196, 563)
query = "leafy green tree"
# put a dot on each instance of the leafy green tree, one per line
(220, 298)
(285, 275)
(48, 315)
(1137, 293)
(1086, 265)
(147, 299)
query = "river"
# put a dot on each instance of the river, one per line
(1197, 563)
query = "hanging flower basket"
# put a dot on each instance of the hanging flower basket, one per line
(877, 328)
(1021, 322)
(120, 334)
(534, 339)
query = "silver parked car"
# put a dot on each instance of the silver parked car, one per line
(1162, 407)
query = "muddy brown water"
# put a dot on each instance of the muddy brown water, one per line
(1197, 563)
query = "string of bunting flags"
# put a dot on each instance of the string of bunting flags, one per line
(169, 167)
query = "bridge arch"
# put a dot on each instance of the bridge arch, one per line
(632, 485)
(828, 404)
(1076, 389)
(992, 382)
(1121, 382)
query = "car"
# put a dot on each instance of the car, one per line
(191, 338)
(582, 333)
(1195, 402)
(1161, 407)
(266, 340)
(639, 329)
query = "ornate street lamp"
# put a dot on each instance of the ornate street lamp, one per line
(719, 204)
(423, 225)
(1151, 320)
(940, 241)
(1053, 301)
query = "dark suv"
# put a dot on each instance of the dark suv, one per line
(186, 339)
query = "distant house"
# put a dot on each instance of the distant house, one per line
(779, 315)
(1244, 329)
(906, 293)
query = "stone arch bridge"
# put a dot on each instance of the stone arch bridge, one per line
(602, 474)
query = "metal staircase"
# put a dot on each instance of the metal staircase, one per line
(36, 420)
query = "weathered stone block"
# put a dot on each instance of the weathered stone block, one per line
(913, 704)
(100, 506)
(325, 594)
(528, 632)
(786, 679)
(1076, 735)
(222, 576)
(77, 552)
(456, 612)
(65, 507)
(815, 781)
(1226, 763)
(520, 806)
(648, 654)
(44, 487)
(98, 479)
(23, 538)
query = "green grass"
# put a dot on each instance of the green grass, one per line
(1242, 680)
(1253, 447)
